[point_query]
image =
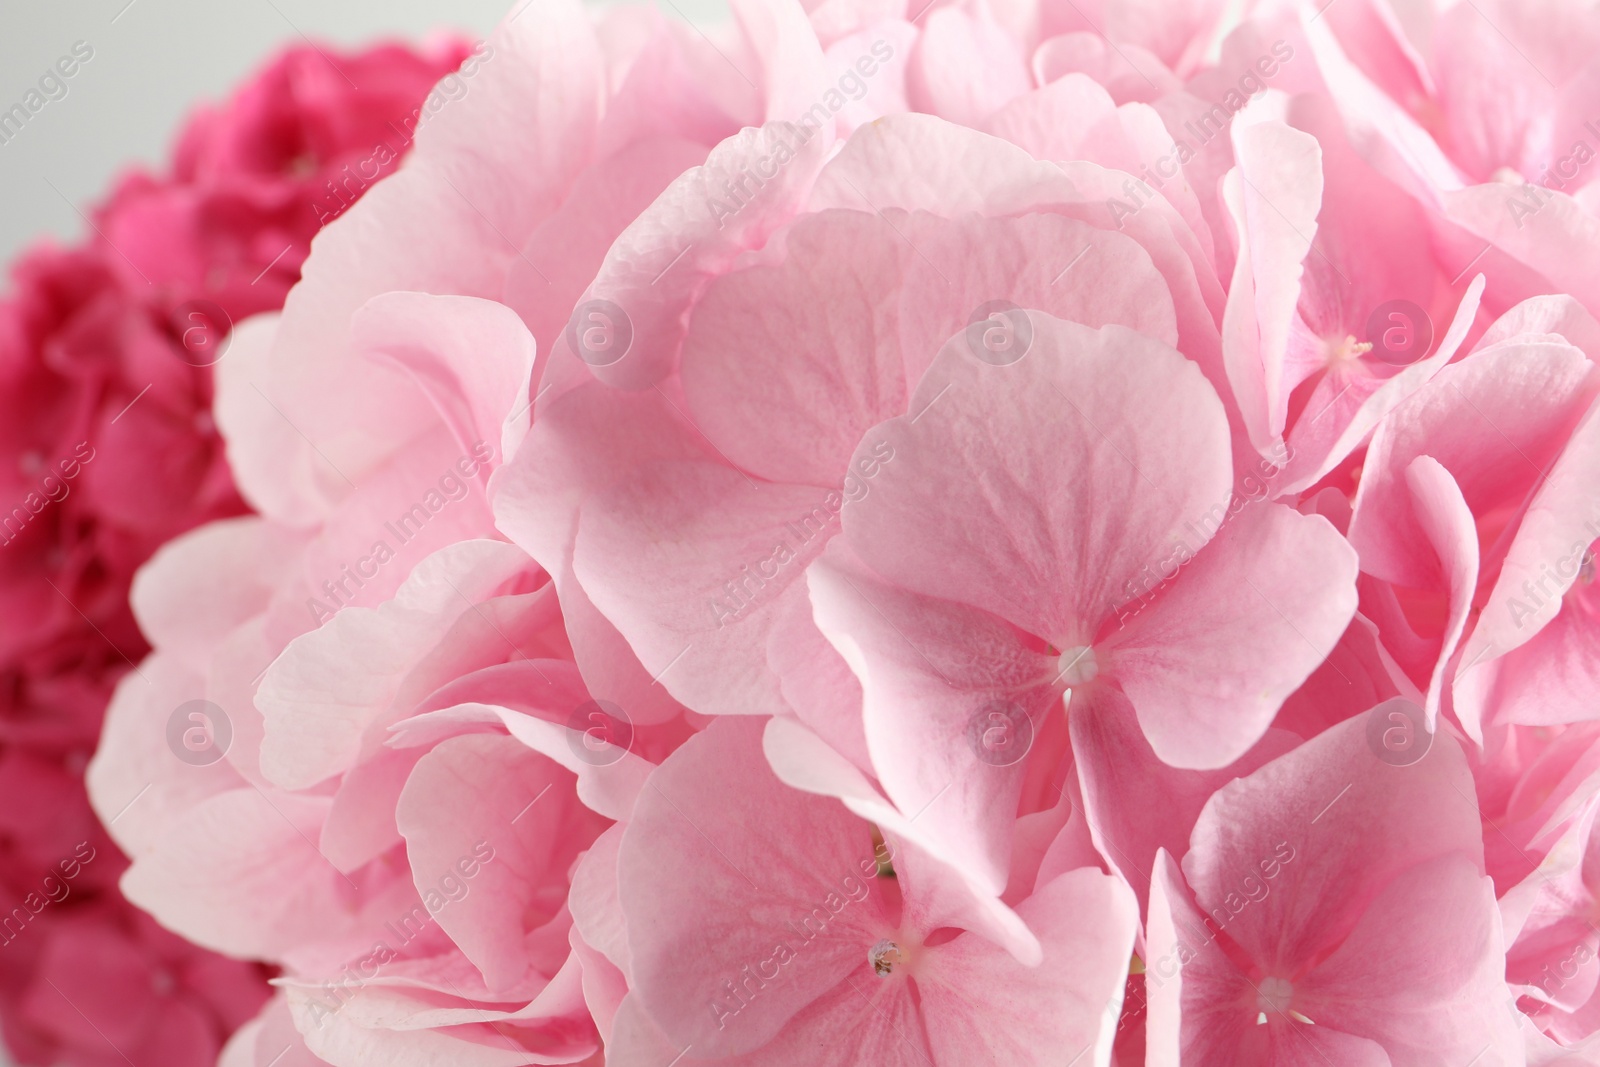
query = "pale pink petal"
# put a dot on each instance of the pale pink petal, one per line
(789, 54)
(786, 366)
(1135, 804)
(1427, 959)
(1346, 408)
(242, 558)
(1209, 662)
(450, 221)
(1443, 515)
(1548, 550)
(1546, 681)
(472, 358)
(138, 786)
(320, 696)
(658, 268)
(1274, 196)
(982, 1007)
(1554, 235)
(1557, 314)
(802, 760)
(692, 563)
(1083, 438)
(932, 672)
(238, 873)
(1061, 266)
(1301, 825)
(965, 66)
(1128, 71)
(1494, 420)
(565, 250)
(722, 864)
(485, 814)
(610, 775)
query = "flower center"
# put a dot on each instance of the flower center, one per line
(1273, 997)
(1345, 351)
(885, 956)
(1274, 994)
(1077, 666)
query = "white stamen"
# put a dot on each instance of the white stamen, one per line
(885, 956)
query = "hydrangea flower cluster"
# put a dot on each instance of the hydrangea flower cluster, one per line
(110, 450)
(914, 533)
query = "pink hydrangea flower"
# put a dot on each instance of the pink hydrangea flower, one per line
(769, 926)
(106, 351)
(1289, 935)
(928, 535)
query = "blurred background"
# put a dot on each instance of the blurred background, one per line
(152, 61)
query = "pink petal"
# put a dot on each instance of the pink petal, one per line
(1548, 550)
(719, 867)
(786, 366)
(1300, 827)
(1494, 420)
(472, 358)
(238, 873)
(1051, 546)
(485, 817)
(924, 699)
(693, 562)
(330, 685)
(658, 268)
(1429, 956)
(965, 65)
(1208, 664)
(1135, 804)
(1443, 514)
(981, 1007)
(1273, 196)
